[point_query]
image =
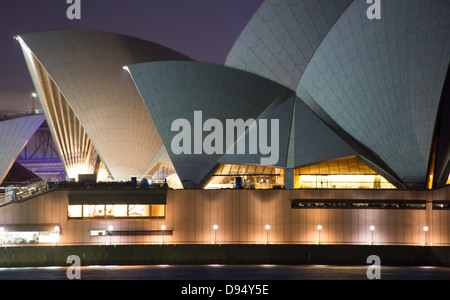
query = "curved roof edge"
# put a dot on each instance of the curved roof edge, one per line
(87, 68)
(192, 90)
(102, 32)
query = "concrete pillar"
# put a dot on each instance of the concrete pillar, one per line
(289, 179)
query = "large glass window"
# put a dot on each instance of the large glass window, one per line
(75, 211)
(158, 210)
(139, 210)
(251, 176)
(348, 173)
(342, 182)
(164, 172)
(29, 237)
(92, 211)
(116, 211)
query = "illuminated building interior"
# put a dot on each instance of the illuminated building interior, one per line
(253, 177)
(29, 237)
(347, 173)
(164, 172)
(30, 234)
(115, 211)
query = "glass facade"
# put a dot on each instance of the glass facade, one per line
(348, 173)
(164, 172)
(29, 237)
(342, 182)
(116, 211)
(251, 177)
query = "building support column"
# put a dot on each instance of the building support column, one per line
(289, 179)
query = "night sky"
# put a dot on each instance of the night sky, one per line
(204, 30)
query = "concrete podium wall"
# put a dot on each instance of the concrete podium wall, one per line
(241, 216)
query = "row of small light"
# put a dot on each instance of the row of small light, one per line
(216, 227)
(319, 228)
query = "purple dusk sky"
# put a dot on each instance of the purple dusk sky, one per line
(204, 30)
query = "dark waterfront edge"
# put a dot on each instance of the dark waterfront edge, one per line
(230, 254)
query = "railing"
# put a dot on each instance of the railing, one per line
(23, 192)
(33, 190)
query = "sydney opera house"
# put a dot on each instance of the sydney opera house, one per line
(322, 126)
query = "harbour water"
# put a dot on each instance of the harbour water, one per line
(226, 272)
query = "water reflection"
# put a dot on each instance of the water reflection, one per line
(226, 272)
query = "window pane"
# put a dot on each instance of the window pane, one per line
(75, 211)
(158, 211)
(116, 211)
(136, 211)
(91, 211)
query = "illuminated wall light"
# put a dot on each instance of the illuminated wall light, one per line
(319, 228)
(215, 227)
(425, 230)
(372, 229)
